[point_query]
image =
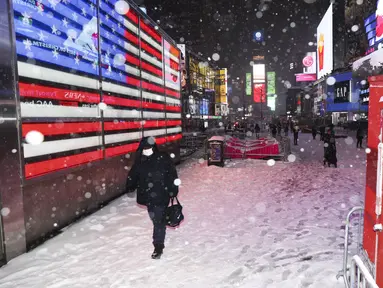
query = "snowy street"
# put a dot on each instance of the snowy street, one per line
(247, 225)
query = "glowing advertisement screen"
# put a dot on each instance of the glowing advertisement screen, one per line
(325, 44)
(259, 93)
(66, 51)
(259, 73)
(379, 21)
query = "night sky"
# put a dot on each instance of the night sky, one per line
(226, 28)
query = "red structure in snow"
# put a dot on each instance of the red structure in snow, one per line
(251, 149)
(372, 233)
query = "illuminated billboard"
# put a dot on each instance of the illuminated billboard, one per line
(248, 84)
(379, 21)
(325, 44)
(271, 83)
(309, 63)
(271, 102)
(259, 73)
(259, 93)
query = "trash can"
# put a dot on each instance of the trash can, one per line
(215, 151)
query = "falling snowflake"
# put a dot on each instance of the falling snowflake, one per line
(172, 155)
(177, 182)
(307, 96)
(14, 151)
(121, 7)
(331, 81)
(354, 28)
(291, 158)
(215, 56)
(5, 211)
(271, 162)
(88, 195)
(102, 106)
(349, 140)
(34, 137)
(368, 150)
(292, 25)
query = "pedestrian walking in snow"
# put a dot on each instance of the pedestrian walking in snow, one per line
(274, 131)
(322, 131)
(153, 175)
(286, 130)
(330, 149)
(359, 137)
(314, 132)
(257, 130)
(296, 131)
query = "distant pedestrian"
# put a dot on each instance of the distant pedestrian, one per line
(296, 131)
(279, 128)
(330, 149)
(153, 175)
(286, 130)
(359, 137)
(322, 131)
(274, 131)
(314, 132)
(257, 130)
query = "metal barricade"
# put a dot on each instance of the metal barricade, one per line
(343, 273)
(360, 275)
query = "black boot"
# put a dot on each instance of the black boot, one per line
(158, 250)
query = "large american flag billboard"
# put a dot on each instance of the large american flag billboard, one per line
(92, 81)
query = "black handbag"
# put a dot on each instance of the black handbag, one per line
(174, 216)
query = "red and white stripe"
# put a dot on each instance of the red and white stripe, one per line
(126, 119)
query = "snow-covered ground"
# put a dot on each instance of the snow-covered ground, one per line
(247, 225)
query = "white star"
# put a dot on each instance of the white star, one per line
(65, 1)
(83, 11)
(101, 21)
(65, 22)
(94, 65)
(55, 54)
(120, 74)
(91, 7)
(107, 34)
(119, 25)
(54, 30)
(42, 36)
(26, 18)
(53, 3)
(109, 70)
(119, 42)
(27, 44)
(107, 54)
(77, 60)
(114, 47)
(40, 8)
(107, 17)
(74, 15)
(113, 30)
(112, 12)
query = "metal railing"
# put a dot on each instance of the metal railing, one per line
(360, 275)
(343, 273)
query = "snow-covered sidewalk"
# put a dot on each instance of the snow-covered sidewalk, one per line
(247, 225)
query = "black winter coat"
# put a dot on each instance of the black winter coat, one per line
(153, 177)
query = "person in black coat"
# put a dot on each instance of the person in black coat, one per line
(359, 137)
(296, 132)
(322, 130)
(330, 149)
(314, 132)
(257, 130)
(153, 175)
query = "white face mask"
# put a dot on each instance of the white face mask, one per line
(147, 152)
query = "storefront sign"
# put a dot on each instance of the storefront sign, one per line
(271, 83)
(305, 77)
(342, 92)
(310, 64)
(248, 84)
(364, 96)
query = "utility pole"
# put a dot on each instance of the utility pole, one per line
(243, 97)
(261, 107)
